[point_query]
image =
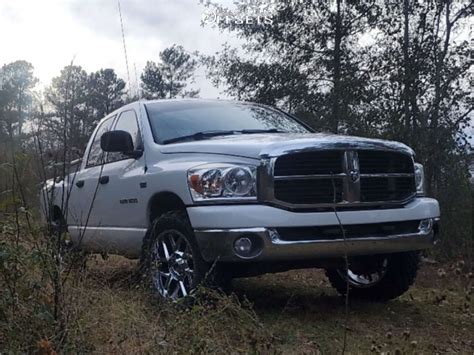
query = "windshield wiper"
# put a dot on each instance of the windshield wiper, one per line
(199, 136)
(256, 131)
(208, 134)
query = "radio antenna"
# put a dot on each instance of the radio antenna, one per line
(139, 94)
(125, 49)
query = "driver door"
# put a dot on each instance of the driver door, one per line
(82, 217)
(122, 196)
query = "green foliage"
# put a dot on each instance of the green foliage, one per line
(16, 82)
(154, 85)
(308, 60)
(19, 179)
(456, 197)
(79, 100)
(68, 96)
(169, 77)
(26, 305)
(106, 92)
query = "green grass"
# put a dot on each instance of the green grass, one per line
(294, 312)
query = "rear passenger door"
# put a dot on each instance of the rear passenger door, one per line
(122, 197)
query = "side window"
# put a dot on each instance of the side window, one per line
(127, 122)
(96, 155)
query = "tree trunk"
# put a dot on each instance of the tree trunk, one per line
(439, 58)
(336, 96)
(406, 69)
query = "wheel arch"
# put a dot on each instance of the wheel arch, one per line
(163, 202)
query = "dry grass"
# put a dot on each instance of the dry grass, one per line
(435, 316)
(112, 313)
(290, 312)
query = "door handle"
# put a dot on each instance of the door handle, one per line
(80, 183)
(103, 180)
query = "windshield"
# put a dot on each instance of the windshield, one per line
(171, 120)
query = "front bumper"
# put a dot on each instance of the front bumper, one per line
(217, 228)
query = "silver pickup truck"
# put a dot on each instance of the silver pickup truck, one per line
(211, 189)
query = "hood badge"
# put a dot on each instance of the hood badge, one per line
(352, 170)
(353, 166)
(355, 175)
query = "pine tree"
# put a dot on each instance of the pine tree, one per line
(170, 76)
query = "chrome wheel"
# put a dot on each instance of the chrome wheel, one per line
(172, 265)
(367, 278)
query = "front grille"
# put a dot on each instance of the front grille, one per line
(308, 191)
(356, 177)
(309, 163)
(354, 231)
(386, 189)
(377, 162)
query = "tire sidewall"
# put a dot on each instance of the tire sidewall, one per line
(178, 221)
(399, 276)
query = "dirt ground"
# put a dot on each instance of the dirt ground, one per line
(296, 312)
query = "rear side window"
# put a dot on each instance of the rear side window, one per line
(127, 122)
(96, 155)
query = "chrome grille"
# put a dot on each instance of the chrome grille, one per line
(347, 177)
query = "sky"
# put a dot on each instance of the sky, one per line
(52, 33)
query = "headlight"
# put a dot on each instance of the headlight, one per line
(419, 179)
(223, 181)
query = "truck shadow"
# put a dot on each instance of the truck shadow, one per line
(306, 296)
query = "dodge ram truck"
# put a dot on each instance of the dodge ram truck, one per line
(211, 187)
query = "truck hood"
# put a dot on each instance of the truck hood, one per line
(268, 145)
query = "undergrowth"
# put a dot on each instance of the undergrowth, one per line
(103, 309)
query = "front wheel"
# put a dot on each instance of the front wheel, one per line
(171, 260)
(376, 278)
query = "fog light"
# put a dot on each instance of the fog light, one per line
(243, 246)
(425, 225)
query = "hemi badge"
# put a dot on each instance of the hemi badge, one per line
(143, 185)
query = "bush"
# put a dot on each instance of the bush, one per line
(456, 196)
(26, 302)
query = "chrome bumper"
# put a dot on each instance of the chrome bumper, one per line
(218, 244)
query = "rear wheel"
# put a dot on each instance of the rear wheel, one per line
(57, 222)
(57, 228)
(376, 278)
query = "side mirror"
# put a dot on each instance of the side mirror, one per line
(116, 141)
(119, 141)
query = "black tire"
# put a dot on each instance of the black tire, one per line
(57, 228)
(400, 273)
(57, 222)
(177, 223)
